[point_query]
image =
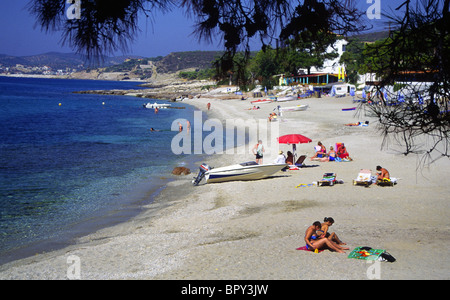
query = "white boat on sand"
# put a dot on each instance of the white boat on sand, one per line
(294, 108)
(244, 171)
(156, 105)
(287, 98)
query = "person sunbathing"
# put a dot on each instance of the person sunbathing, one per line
(383, 173)
(327, 222)
(322, 152)
(353, 124)
(314, 241)
(331, 156)
(366, 123)
(290, 158)
(342, 152)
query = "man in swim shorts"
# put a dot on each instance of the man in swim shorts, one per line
(259, 149)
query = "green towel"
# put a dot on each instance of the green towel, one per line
(366, 253)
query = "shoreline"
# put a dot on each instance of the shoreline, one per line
(250, 230)
(129, 205)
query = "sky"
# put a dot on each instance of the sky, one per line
(170, 32)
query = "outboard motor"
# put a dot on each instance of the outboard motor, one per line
(201, 174)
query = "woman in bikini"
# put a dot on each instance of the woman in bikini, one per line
(314, 241)
(331, 155)
(323, 232)
(320, 153)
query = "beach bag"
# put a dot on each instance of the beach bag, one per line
(385, 256)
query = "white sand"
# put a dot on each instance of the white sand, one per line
(250, 230)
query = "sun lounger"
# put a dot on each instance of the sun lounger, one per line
(363, 178)
(387, 182)
(298, 164)
(300, 160)
(329, 179)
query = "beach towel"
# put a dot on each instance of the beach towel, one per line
(305, 185)
(338, 159)
(368, 253)
(306, 249)
(387, 182)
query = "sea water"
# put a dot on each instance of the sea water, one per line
(68, 159)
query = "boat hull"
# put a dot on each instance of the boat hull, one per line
(156, 105)
(261, 101)
(287, 98)
(294, 108)
(239, 172)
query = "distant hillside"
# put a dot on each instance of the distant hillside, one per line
(177, 61)
(372, 36)
(9, 61)
(57, 60)
(171, 63)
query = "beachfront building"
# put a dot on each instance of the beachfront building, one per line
(331, 71)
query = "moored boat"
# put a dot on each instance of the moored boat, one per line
(261, 101)
(287, 98)
(294, 108)
(244, 171)
(156, 105)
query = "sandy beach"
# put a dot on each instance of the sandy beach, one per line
(250, 230)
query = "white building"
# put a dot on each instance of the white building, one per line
(331, 66)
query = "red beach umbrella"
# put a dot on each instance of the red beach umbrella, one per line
(293, 139)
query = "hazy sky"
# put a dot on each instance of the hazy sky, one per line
(168, 33)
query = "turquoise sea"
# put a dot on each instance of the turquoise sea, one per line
(71, 163)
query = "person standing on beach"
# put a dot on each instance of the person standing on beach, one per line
(258, 151)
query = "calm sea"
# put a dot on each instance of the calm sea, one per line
(68, 159)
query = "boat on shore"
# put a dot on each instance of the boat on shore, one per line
(287, 98)
(261, 101)
(244, 171)
(350, 108)
(156, 105)
(294, 108)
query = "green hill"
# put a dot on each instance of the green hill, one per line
(57, 60)
(177, 61)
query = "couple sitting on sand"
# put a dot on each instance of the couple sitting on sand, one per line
(318, 237)
(322, 155)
